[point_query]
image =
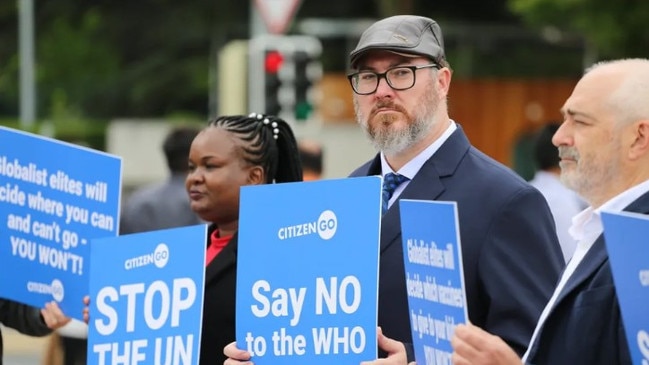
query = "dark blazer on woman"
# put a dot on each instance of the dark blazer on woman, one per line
(219, 303)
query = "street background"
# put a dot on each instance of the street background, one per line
(22, 350)
(116, 75)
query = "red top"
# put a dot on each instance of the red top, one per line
(216, 246)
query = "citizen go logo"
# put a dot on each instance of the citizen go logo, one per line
(644, 277)
(327, 224)
(57, 290)
(325, 227)
(161, 255)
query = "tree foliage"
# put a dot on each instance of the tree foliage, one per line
(615, 28)
(152, 58)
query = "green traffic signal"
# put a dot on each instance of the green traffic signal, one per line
(303, 110)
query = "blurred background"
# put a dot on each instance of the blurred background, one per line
(115, 75)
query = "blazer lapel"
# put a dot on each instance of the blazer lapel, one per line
(597, 254)
(594, 258)
(425, 186)
(224, 260)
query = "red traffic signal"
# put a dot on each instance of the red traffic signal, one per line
(273, 62)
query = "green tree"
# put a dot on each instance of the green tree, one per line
(76, 68)
(151, 58)
(614, 28)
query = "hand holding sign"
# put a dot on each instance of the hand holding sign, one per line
(396, 352)
(472, 345)
(53, 316)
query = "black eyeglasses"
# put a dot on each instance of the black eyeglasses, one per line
(399, 78)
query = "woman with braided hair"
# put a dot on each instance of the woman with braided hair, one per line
(231, 152)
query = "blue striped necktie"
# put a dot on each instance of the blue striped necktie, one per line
(390, 182)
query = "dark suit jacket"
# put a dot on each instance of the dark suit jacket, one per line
(585, 324)
(219, 303)
(510, 252)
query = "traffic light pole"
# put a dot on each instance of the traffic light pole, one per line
(257, 26)
(27, 73)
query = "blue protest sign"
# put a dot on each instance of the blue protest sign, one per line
(307, 274)
(625, 235)
(146, 297)
(432, 254)
(54, 198)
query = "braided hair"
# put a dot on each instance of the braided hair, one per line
(268, 142)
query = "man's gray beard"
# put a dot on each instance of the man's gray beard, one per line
(392, 142)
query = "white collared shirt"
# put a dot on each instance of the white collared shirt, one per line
(586, 227)
(564, 205)
(413, 166)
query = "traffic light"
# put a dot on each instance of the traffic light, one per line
(283, 73)
(273, 62)
(308, 71)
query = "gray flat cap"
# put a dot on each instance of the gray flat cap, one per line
(409, 34)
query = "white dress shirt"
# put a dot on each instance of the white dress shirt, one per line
(564, 204)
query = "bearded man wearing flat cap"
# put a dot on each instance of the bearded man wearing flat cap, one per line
(511, 255)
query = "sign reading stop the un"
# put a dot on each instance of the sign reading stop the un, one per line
(146, 297)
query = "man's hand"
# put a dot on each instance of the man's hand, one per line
(53, 316)
(235, 355)
(395, 349)
(474, 346)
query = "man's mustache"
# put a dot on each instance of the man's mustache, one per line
(388, 105)
(568, 152)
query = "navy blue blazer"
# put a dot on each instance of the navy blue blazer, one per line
(585, 324)
(510, 251)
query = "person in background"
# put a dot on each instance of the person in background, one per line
(311, 156)
(511, 255)
(165, 204)
(604, 149)
(231, 152)
(30, 320)
(564, 203)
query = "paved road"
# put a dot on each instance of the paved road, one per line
(22, 359)
(22, 350)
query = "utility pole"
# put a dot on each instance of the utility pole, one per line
(27, 80)
(257, 26)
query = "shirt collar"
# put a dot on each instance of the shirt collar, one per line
(590, 220)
